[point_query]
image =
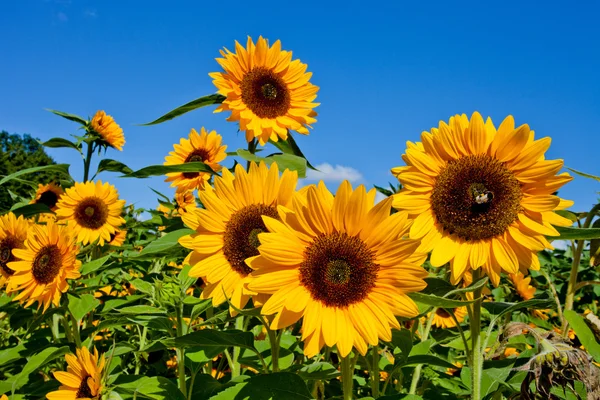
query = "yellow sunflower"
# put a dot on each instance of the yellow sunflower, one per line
(266, 91)
(186, 202)
(47, 261)
(481, 197)
(118, 238)
(111, 133)
(83, 378)
(443, 319)
(13, 232)
(227, 229)
(340, 263)
(93, 211)
(48, 194)
(204, 147)
(524, 289)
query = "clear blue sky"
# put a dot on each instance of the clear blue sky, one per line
(387, 72)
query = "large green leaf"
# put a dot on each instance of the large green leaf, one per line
(70, 117)
(59, 142)
(60, 168)
(437, 301)
(166, 242)
(33, 364)
(290, 146)
(277, 386)
(32, 209)
(283, 161)
(157, 170)
(141, 309)
(213, 338)
(113, 166)
(570, 233)
(319, 370)
(187, 107)
(152, 387)
(584, 174)
(427, 359)
(501, 308)
(584, 333)
(403, 340)
(94, 265)
(80, 306)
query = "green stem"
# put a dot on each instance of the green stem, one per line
(180, 351)
(235, 367)
(347, 377)
(375, 371)
(87, 161)
(476, 351)
(142, 344)
(251, 149)
(274, 342)
(75, 329)
(417, 373)
(554, 294)
(192, 385)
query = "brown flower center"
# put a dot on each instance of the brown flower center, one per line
(338, 270)
(48, 198)
(84, 391)
(91, 213)
(442, 313)
(46, 264)
(6, 245)
(265, 93)
(476, 197)
(198, 155)
(240, 240)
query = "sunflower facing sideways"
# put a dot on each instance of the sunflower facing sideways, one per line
(443, 319)
(204, 147)
(340, 263)
(93, 211)
(110, 132)
(44, 265)
(13, 232)
(265, 90)
(227, 229)
(83, 378)
(481, 197)
(48, 195)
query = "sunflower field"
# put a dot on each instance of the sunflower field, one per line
(472, 279)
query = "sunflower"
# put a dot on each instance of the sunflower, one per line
(83, 378)
(227, 229)
(48, 194)
(47, 261)
(93, 211)
(204, 147)
(342, 264)
(266, 91)
(443, 319)
(526, 292)
(118, 238)
(13, 232)
(185, 202)
(110, 132)
(481, 197)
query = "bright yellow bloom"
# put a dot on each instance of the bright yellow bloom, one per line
(93, 211)
(342, 264)
(111, 133)
(227, 229)
(443, 319)
(185, 202)
(47, 261)
(481, 197)
(524, 289)
(13, 232)
(118, 238)
(266, 91)
(48, 194)
(83, 378)
(204, 147)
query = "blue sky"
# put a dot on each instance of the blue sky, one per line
(386, 71)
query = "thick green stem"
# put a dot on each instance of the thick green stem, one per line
(74, 329)
(375, 371)
(87, 161)
(477, 350)
(417, 373)
(347, 377)
(235, 367)
(180, 351)
(274, 342)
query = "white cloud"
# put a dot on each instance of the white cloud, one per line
(379, 197)
(329, 173)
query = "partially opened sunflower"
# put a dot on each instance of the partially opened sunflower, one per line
(481, 197)
(83, 377)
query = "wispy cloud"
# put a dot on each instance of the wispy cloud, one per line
(329, 173)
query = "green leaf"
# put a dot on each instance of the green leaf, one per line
(32, 209)
(384, 191)
(290, 146)
(153, 387)
(141, 310)
(438, 287)
(427, 359)
(60, 168)
(79, 307)
(436, 301)
(471, 288)
(584, 174)
(120, 301)
(33, 365)
(276, 386)
(570, 233)
(187, 107)
(166, 242)
(501, 308)
(70, 117)
(113, 166)
(318, 370)
(94, 265)
(157, 170)
(493, 373)
(59, 142)
(403, 340)
(584, 333)
(143, 286)
(212, 338)
(283, 161)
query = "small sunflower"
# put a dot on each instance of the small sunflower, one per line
(443, 319)
(227, 229)
(266, 91)
(48, 194)
(524, 289)
(110, 132)
(186, 202)
(13, 232)
(118, 238)
(204, 147)
(481, 197)
(47, 261)
(93, 210)
(83, 378)
(342, 264)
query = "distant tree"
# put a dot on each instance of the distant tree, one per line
(17, 153)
